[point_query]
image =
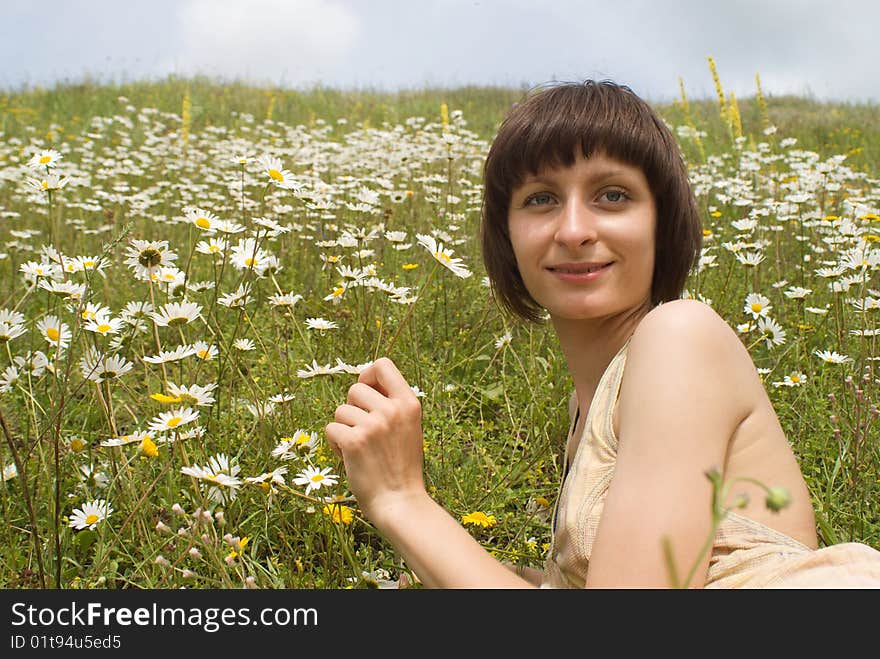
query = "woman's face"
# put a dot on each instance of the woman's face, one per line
(583, 237)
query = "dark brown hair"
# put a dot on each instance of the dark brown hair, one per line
(545, 130)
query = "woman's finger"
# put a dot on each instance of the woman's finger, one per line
(350, 415)
(334, 431)
(365, 397)
(384, 376)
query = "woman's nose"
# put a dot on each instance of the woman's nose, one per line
(577, 224)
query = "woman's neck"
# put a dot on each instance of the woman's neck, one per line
(590, 345)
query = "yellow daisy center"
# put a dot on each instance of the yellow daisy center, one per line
(44, 185)
(103, 328)
(795, 378)
(203, 223)
(338, 291)
(757, 306)
(276, 175)
(53, 333)
(410, 266)
(213, 249)
(88, 264)
(45, 159)
(317, 478)
(91, 519)
(204, 354)
(250, 262)
(174, 422)
(77, 445)
(442, 256)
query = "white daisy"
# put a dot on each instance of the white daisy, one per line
(245, 345)
(55, 332)
(201, 218)
(314, 478)
(757, 305)
(444, 256)
(204, 351)
(193, 394)
(176, 313)
(320, 324)
(167, 356)
(170, 421)
(90, 515)
(796, 379)
(772, 331)
(45, 158)
(831, 357)
(222, 473)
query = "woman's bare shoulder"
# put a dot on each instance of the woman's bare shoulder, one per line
(686, 340)
(690, 324)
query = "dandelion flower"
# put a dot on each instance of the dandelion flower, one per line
(479, 519)
(314, 478)
(90, 515)
(338, 513)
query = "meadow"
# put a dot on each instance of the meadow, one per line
(193, 273)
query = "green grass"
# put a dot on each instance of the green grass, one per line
(494, 417)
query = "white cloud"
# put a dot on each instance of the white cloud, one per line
(278, 41)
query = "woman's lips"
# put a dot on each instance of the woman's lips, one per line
(579, 272)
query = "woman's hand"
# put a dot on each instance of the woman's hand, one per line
(378, 435)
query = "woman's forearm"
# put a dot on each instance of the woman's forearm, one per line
(438, 549)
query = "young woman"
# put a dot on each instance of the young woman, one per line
(588, 217)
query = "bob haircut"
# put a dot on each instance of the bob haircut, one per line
(546, 130)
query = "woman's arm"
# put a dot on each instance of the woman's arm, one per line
(682, 397)
(378, 434)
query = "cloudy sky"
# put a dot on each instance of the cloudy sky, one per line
(827, 50)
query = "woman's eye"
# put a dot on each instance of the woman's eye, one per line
(538, 199)
(614, 196)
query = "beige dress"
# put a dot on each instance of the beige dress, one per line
(745, 553)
